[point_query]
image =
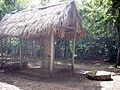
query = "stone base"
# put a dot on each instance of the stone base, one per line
(98, 75)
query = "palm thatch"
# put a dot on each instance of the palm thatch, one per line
(63, 19)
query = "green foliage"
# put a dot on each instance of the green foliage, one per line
(63, 49)
(118, 67)
(7, 6)
(101, 32)
(99, 19)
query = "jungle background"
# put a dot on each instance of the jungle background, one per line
(100, 19)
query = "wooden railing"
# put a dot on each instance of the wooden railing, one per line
(62, 64)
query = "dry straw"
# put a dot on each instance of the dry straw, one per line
(62, 18)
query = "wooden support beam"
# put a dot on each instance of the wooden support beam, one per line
(73, 53)
(25, 50)
(10, 49)
(20, 48)
(1, 42)
(52, 52)
(32, 48)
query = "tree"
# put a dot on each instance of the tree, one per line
(7, 6)
(100, 19)
(116, 13)
(101, 34)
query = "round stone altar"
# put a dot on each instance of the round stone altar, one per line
(99, 75)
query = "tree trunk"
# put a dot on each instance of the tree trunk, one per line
(118, 55)
(118, 31)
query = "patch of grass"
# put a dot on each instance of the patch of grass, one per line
(118, 67)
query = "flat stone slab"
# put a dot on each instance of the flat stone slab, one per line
(99, 75)
(5, 86)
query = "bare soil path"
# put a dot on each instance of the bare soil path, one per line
(66, 80)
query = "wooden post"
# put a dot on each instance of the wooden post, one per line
(25, 50)
(10, 49)
(52, 52)
(73, 53)
(32, 49)
(20, 47)
(1, 50)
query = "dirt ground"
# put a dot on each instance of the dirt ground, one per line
(67, 80)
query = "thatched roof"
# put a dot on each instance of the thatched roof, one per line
(63, 19)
